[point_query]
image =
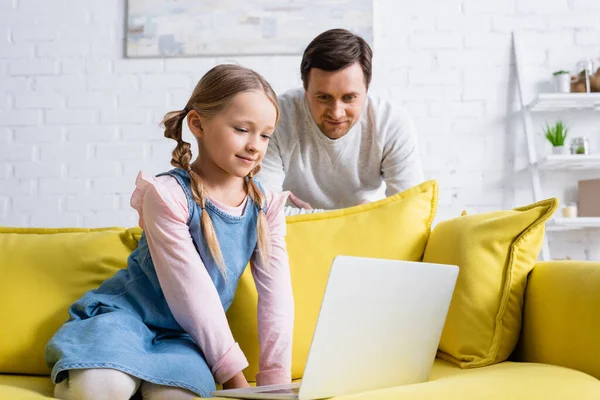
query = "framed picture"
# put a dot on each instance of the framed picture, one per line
(180, 28)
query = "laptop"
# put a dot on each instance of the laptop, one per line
(379, 326)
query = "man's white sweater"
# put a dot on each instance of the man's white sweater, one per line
(378, 155)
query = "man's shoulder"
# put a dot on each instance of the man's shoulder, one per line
(381, 110)
(291, 116)
(388, 122)
(293, 98)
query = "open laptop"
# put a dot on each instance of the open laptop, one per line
(379, 326)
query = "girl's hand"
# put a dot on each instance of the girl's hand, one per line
(237, 382)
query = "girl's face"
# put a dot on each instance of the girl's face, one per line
(236, 139)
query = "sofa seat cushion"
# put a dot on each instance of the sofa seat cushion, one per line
(506, 380)
(21, 387)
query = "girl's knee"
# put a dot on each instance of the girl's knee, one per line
(151, 391)
(99, 384)
(61, 390)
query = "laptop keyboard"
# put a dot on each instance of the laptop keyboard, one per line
(283, 391)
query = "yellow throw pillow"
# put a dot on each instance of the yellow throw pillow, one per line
(394, 228)
(43, 271)
(494, 251)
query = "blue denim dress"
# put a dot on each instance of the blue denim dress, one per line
(126, 323)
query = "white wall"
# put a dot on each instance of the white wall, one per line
(77, 120)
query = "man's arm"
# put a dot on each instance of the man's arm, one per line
(401, 166)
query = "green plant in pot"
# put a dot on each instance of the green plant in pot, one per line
(556, 135)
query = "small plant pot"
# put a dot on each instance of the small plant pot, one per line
(562, 83)
(560, 150)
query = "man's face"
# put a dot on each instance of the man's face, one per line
(336, 99)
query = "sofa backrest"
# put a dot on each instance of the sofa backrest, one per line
(45, 270)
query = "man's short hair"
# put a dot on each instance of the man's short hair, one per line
(336, 49)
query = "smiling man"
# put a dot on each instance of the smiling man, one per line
(335, 145)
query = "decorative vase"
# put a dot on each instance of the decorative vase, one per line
(562, 83)
(580, 145)
(559, 150)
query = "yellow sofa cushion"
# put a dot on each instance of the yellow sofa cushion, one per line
(395, 228)
(561, 317)
(26, 387)
(494, 251)
(507, 380)
(43, 271)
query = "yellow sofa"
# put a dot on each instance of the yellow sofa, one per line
(557, 357)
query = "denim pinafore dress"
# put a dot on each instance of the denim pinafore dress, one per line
(126, 323)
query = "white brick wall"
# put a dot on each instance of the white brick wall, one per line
(78, 121)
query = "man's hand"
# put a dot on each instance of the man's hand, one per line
(299, 203)
(237, 382)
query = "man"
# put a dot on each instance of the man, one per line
(335, 146)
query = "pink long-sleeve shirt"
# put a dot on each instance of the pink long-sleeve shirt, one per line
(192, 297)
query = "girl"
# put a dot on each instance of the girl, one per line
(159, 325)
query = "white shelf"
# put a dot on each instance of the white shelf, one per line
(567, 224)
(570, 162)
(557, 103)
(565, 101)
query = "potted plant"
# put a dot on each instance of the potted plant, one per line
(562, 81)
(556, 135)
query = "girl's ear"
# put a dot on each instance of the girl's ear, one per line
(195, 122)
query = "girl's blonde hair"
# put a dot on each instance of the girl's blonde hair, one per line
(212, 94)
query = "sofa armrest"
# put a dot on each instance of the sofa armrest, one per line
(561, 317)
